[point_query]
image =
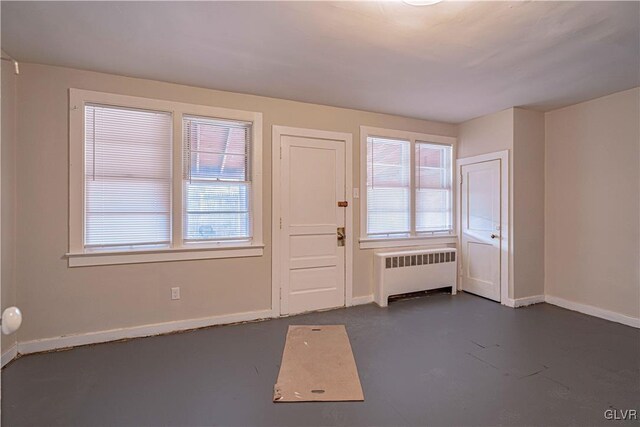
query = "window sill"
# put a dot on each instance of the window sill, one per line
(87, 259)
(403, 242)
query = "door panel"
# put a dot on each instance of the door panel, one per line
(480, 268)
(312, 182)
(480, 191)
(305, 246)
(480, 228)
(312, 172)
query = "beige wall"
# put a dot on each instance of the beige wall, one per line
(521, 132)
(592, 238)
(580, 263)
(8, 191)
(528, 203)
(488, 134)
(58, 301)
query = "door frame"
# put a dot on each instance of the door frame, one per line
(505, 223)
(277, 132)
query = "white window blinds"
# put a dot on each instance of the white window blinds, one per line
(127, 177)
(433, 187)
(217, 179)
(388, 187)
(409, 187)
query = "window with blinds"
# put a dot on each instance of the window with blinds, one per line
(433, 187)
(217, 180)
(388, 187)
(409, 188)
(127, 178)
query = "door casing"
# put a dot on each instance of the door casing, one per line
(276, 194)
(506, 259)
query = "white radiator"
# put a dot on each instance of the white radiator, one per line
(403, 272)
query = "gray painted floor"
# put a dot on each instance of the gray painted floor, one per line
(436, 360)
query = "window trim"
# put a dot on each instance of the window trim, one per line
(415, 239)
(77, 254)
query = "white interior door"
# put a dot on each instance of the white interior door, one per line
(312, 257)
(480, 228)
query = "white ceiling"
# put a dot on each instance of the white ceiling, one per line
(452, 61)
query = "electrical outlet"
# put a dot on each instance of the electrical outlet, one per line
(175, 293)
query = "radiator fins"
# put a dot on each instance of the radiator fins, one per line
(421, 259)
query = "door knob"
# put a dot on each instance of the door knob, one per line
(340, 232)
(11, 320)
(493, 236)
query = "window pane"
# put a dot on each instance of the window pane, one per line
(216, 210)
(433, 210)
(134, 229)
(216, 149)
(217, 182)
(433, 187)
(219, 166)
(388, 187)
(127, 177)
(387, 211)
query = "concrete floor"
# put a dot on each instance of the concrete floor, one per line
(436, 360)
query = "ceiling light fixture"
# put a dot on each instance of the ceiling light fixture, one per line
(421, 2)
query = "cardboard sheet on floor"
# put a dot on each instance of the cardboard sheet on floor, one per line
(317, 365)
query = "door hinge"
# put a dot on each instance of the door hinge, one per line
(280, 223)
(280, 152)
(461, 179)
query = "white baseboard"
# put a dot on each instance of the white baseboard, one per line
(362, 300)
(67, 341)
(523, 302)
(10, 354)
(594, 311)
